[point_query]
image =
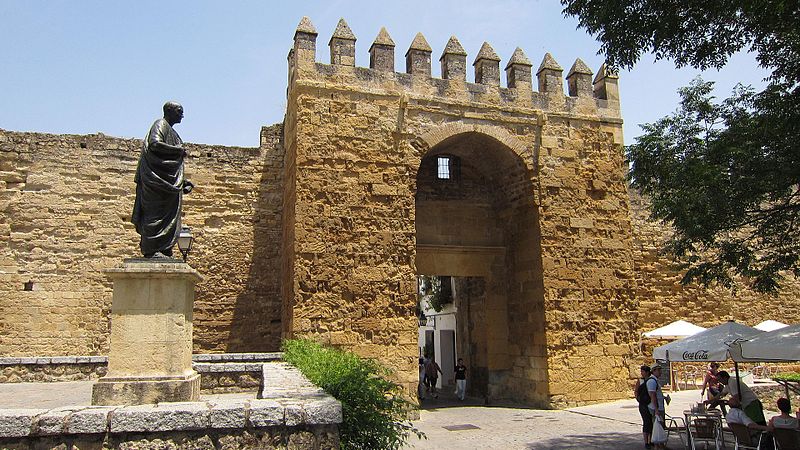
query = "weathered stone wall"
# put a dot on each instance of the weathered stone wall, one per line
(663, 299)
(559, 321)
(66, 202)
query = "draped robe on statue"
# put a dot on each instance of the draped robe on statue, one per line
(159, 190)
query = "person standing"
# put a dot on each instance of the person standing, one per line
(432, 371)
(461, 379)
(712, 382)
(656, 405)
(643, 398)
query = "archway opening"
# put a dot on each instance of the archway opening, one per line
(477, 227)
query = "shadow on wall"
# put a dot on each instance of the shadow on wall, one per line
(256, 322)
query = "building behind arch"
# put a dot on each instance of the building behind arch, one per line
(323, 229)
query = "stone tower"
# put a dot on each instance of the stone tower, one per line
(517, 193)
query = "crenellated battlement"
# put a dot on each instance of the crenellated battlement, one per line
(586, 96)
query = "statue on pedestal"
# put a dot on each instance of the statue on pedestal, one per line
(160, 185)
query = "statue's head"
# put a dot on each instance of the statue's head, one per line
(173, 112)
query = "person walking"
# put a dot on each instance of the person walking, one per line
(432, 371)
(461, 379)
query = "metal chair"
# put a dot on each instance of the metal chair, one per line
(705, 430)
(689, 373)
(786, 439)
(744, 440)
(677, 425)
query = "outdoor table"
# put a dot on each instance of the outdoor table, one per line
(713, 414)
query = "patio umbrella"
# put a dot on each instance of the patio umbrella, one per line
(675, 330)
(713, 344)
(770, 325)
(782, 344)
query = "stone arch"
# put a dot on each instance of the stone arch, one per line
(435, 136)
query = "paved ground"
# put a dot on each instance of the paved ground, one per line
(615, 425)
(449, 424)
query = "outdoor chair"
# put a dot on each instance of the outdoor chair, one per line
(745, 440)
(676, 425)
(760, 372)
(786, 439)
(705, 430)
(690, 373)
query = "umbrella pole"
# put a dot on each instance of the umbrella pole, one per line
(738, 383)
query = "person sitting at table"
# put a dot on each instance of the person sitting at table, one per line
(736, 415)
(711, 381)
(785, 419)
(750, 404)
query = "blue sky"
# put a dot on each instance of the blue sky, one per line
(87, 66)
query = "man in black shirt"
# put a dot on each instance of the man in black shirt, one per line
(461, 379)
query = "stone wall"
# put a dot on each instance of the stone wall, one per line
(66, 202)
(664, 299)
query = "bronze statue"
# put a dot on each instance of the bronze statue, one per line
(160, 186)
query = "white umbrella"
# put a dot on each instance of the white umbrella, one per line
(675, 330)
(712, 344)
(779, 345)
(770, 325)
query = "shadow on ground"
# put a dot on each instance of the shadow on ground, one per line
(611, 440)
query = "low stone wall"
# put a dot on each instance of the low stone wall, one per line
(52, 369)
(229, 377)
(220, 372)
(292, 414)
(295, 424)
(770, 394)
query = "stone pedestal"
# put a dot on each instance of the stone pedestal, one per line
(150, 360)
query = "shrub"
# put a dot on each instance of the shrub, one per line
(375, 413)
(788, 376)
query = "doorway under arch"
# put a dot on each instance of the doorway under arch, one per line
(477, 222)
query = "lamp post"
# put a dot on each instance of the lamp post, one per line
(185, 241)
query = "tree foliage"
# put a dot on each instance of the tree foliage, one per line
(724, 174)
(733, 201)
(698, 34)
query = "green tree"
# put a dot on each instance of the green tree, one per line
(724, 174)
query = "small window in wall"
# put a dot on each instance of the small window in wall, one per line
(443, 168)
(447, 167)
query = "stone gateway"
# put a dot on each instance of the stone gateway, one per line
(514, 191)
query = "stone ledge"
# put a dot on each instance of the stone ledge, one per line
(227, 367)
(170, 417)
(199, 358)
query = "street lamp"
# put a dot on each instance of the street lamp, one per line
(185, 240)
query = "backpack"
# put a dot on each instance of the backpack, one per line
(642, 395)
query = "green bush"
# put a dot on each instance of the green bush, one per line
(375, 413)
(787, 377)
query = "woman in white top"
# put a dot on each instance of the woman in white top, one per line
(785, 420)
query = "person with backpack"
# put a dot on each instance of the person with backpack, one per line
(643, 397)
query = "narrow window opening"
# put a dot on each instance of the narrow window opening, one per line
(28, 286)
(443, 168)
(83, 144)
